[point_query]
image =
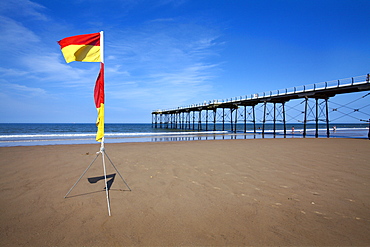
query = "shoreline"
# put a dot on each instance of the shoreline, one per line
(360, 133)
(279, 191)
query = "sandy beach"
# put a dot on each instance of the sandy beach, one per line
(225, 192)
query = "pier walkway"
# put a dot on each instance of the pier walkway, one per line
(198, 116)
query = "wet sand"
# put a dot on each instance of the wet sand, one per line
(195, 193)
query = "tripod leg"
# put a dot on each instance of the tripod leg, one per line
(117, 170)
(82, 175)
(106, 185)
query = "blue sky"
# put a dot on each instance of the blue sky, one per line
(168, 53)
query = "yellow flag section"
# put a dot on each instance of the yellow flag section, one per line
(99, 102)
(83, 48)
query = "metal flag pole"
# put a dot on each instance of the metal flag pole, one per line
(102, 141)
(105, 175)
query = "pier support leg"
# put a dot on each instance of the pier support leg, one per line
(254, 120)
(188, 120)
(284, 121)
(245, 119)
(206, 120)
(193, 120)
(181, 120)
(175, 120)
(223, 119)
(327, 118)
(305, 117)
(200, 120)
(274, 119)
(231, 120)
(214, 118)
(317, 118)
(264, 118)
(236, 119)
(178, 120)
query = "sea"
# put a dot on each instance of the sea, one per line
(32, 134)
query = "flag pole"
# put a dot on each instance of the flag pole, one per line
(102, 66)
(102, 149)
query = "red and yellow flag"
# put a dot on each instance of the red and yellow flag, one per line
(99, 102)
(83, 48)
(86, 48)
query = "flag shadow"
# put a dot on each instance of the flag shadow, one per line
(93, 180)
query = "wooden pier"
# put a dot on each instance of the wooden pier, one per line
(207, 115)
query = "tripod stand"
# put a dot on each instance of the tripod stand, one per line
(103, 153)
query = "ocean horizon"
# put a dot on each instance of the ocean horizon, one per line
(32, 134)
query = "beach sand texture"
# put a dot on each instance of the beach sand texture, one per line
(227, 192)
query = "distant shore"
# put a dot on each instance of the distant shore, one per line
(259, 192)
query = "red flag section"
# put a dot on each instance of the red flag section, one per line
(99, 102)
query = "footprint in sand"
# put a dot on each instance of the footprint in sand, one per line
(319, 213)
(194, 182)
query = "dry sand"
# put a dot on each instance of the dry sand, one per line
(228, 192)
